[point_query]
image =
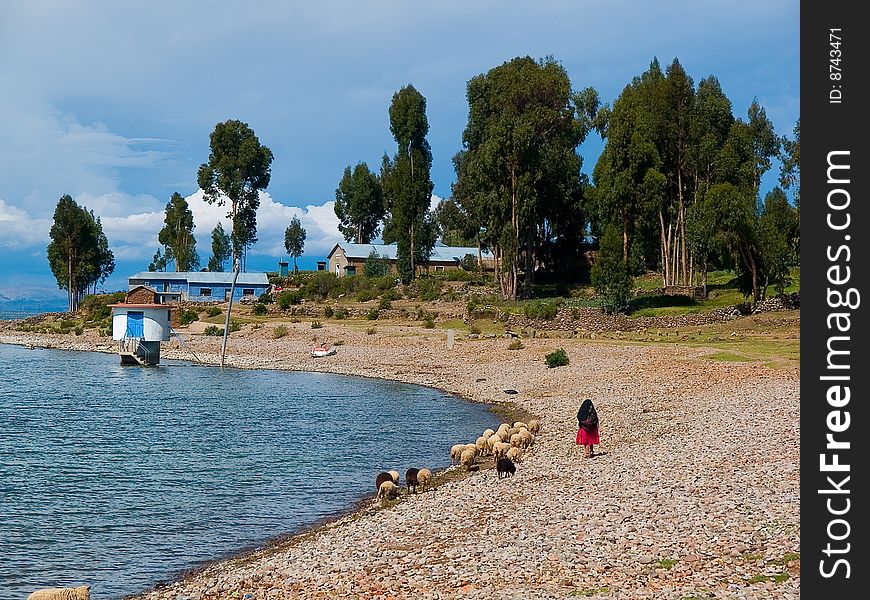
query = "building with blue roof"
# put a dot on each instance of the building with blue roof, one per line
(200, 286)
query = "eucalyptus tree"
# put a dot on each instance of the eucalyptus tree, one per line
(519, 155)
(221, 249)
(406, 182)
(177, 234)
(294, 240)
(78, 254)
(238, 167)
(359, 204)
(158, 262)
(790, 172)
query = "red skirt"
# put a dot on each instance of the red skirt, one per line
(585, 438)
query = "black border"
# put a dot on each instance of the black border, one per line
(828, 126)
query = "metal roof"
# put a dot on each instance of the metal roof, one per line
(201, 277)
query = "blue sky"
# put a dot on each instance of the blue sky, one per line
(113, 102)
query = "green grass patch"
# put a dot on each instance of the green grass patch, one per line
(665, 563)
(728, 357)
(589, 593)
(786, 558)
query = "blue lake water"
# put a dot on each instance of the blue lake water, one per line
(122, 477)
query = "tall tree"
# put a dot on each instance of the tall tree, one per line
(294, 240)
(244, 233)
(78, 254)
(790, 172)
(177, 234)
(238, 168)
(519, 156)
(221, 249)
(359, 204)
(406, 181)
(158, 262)
(779, 239)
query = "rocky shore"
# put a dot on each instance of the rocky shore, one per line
(694, 492)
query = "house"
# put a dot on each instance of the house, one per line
(201, 286)
(139, 328)
(350, 259)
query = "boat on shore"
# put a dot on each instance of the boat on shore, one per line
(323, 350)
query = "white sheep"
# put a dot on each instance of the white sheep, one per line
(388, 490)
(534, 426)
(481, 444)
(517, 440)
(520, 425)
(487, 433)
(395, 476)
(515, 454)
(528, 438)
(424, 478)
(492, 441)
(456, 452)
(467, 458)
(83, 592)
(500, 450)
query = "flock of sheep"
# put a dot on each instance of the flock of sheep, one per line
(505, 444)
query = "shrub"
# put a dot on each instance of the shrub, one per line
(260, 309)
(557, 358)
(376, 265)
(340, 313)
(235, 326)
(316, 325)
(187, 316)
(474, 329)
(468, 262)
(429, 288)
(288, 299)
(541, 310)
(279, 332)
(371, 331)
(373, 314)
(265, 298)
(213, 311)
(429, 323)
(365, 296)
(610, 277)
(67, 324)
(328, 312)
(471, 306)
(213, 330)
(385, 304)
(516, 345)
(79, 330)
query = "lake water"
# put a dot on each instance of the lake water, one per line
(121, 477)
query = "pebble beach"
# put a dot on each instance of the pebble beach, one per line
(693, 492)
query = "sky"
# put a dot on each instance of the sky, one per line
(113, 102)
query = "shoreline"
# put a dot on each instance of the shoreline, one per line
(378, 553)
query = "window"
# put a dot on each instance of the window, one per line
(350, 270)
(248, 292)
(205, 291)
(439, 268)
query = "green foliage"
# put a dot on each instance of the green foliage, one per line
(237, 168)
(212, 311)
(516, 345)
(177, 234)
(373, 314)
(610, 276)
(359, 204)
(265, 298)
(95, 307)
(316, 325)
(541, 310)
(158, 262)
(340, 314)
(260, 309)
(279, 332)
(407, 185)
(385, 304)
(474, 329)
(187, 316)
(328, 312)
(78, 253)
(429, 288)
(557, 358)
(376, 265)
(213, 330)
(429, 322)
(288, 299)
(221, 249)
(469, 263)
(365, 295)
(294, 239)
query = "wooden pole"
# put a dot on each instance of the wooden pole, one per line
(229, 309)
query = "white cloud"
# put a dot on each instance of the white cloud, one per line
(19, 230)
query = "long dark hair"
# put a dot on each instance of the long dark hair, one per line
(587, 413)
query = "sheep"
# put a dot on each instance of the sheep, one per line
(382, 477)
(515, 454)
(534, 426)
(388, 490)
(528, 438)
(505, 468)
(520, 425)
(481, 444)
(456, 451)
(425, 478)
(83, 592)
(467, 458)
(411, 479)
(492, 441)
(500, 450)
(517, 440)
(395, 476)
(487, 433)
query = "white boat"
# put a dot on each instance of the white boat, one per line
(323, 350)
